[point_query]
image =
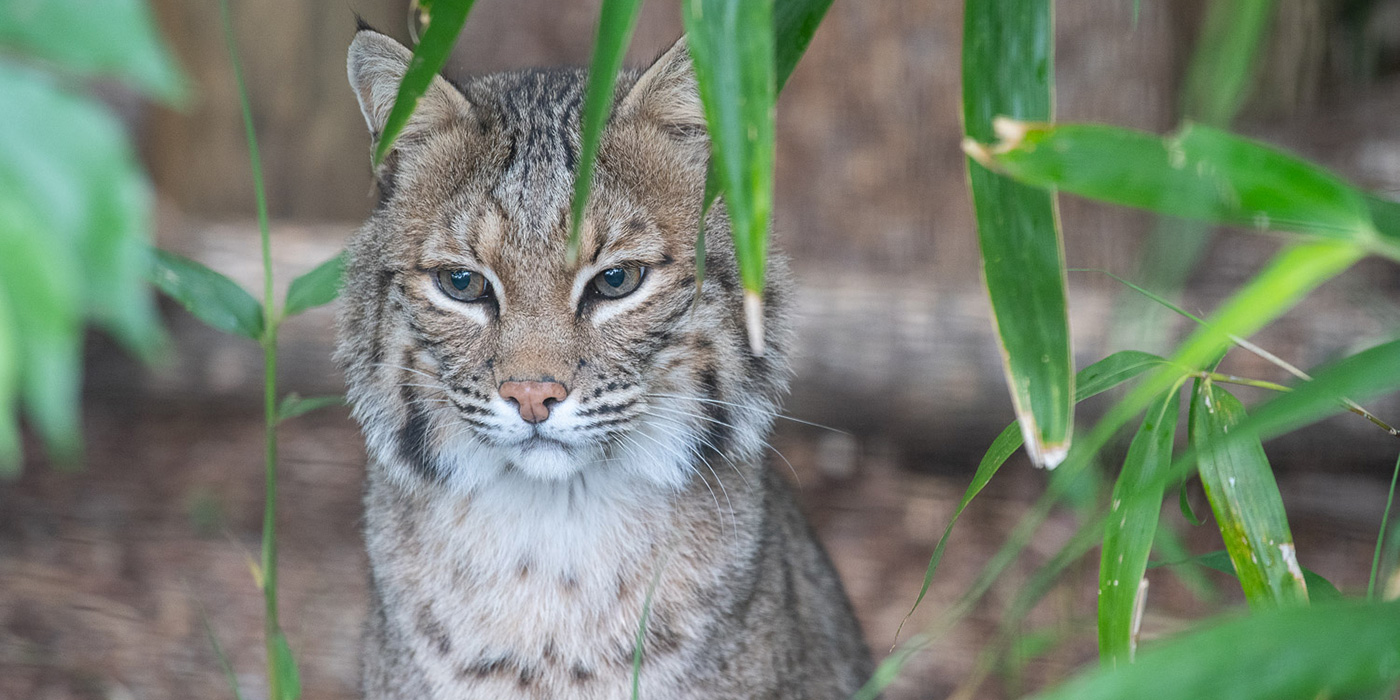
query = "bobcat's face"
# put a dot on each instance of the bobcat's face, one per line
(474, 348)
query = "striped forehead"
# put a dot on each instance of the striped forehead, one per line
(538, 119)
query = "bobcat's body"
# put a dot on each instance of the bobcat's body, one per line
(513, 555)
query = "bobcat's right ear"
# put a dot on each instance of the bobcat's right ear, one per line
(376, 66)
(667, 93)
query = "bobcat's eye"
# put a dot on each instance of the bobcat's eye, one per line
(463, 285)
(617, 282)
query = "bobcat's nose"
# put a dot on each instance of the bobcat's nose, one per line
(534, 398)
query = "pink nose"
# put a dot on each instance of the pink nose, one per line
(534, 398)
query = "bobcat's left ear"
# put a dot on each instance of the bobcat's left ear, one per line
(376, 65)
(667, 93)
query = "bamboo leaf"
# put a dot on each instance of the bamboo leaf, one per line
(1198, 173)
(1332, 650)
(1017, 227)
(315, 288)
(294, 405)
(1245, 499)
(1320, 590)
(1222, 66)
(732, 45)
(443, 20)
(794, 23)
(115, 38)
(285, 667)
(210, 296)
(616, 21)
(1131, 527)
(1092, 380)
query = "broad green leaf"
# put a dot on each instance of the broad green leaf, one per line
(1320, 590)
(1323, 651)
(1245, 499)
(65, 160)
(1092, 380)
(1197, 173)
(210, 296)
(116, 38)
(616, 21)
(443, 20)
(1008, 67)
(794, 23)
(315, 288)
(1219, 78)
(294, 405)
(1131, 527)
(284, 667)
(46, 324)
(731, 43)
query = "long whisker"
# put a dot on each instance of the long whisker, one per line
(753, 409)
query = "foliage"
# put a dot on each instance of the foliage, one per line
(75, 208)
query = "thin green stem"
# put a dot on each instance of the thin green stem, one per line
(271, 319)
(1380, 538)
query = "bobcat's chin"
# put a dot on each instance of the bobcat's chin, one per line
(548, 460)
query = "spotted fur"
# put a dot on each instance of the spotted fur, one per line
(514, 560)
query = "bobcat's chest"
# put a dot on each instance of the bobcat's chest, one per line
(525, 591)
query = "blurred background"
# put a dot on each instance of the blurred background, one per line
(107, 573)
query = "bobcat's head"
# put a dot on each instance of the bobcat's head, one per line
(474, 349)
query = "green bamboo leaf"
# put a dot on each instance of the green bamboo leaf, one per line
(1320, 590)
(1332, 650)
(285, 666)
(732, 46)
(1219, 78)
(294, 405)
(315, 288)
(1245, 499)
(1366, 374)
(443, 20)
(209, 295)
(1092, 380)
(616, 21)
(116, 38)
(1198, 173)
(794, 23)
(1131, 527)
(1017, 227)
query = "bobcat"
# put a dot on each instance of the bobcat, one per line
(557, 448)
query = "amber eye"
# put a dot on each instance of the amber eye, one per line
(617, 282)
(464, 285)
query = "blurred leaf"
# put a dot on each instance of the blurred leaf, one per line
(1198, 173)
(294, 405)
(47, 325)
(1131, 527)
(1326, 650)
(1092, 380)
(1008, 67)
(1320, 590)
(285, 668)
(443, 20)
(732, 45)
(65, 160)
(794, 23)
(1245, 499)
(1184, 501)
(10, 360)
(616, 21)
(1361, 376)
(1219, 78)
(211, 297)
(315, 288)
(115, 38)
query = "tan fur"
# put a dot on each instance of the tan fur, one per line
(514, 560)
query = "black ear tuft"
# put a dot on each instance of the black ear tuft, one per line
(361, 25)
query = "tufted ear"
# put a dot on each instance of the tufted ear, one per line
(376, 66)
(667, 92)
